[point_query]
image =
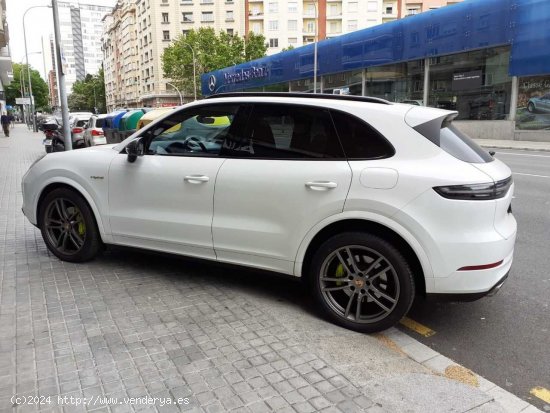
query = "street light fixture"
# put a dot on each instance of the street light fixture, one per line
(28, 67)
(177, 90)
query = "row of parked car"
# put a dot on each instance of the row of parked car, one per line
(88, 129)
(118, 125)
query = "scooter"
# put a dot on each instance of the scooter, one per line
(54, 141)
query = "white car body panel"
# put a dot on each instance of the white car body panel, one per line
(263, 208)
(152, 205)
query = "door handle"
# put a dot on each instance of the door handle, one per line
(321, 185)
(196, 179)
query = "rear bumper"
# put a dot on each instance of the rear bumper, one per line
(470, 296)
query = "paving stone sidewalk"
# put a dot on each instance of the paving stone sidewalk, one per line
(134, 325)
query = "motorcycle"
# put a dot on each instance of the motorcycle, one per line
(53, 141)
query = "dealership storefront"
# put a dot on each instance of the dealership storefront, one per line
(487, 59)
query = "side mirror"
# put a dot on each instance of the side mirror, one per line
(135, 149)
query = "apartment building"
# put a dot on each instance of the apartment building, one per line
(159, 22)
(6, 73)
(121, 56)
(412, 7)
(81, 28)
(294, 23)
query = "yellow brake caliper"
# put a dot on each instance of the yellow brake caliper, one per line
(340, 273)
(81, 226)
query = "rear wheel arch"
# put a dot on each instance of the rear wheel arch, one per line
(370, 227)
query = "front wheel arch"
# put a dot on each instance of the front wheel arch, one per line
(55, 185)
(374, 228)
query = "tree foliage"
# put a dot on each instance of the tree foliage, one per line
(88, 94)
(39, 86)
(212, 52)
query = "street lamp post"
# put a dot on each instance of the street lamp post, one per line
(194, 71)
(177, 90)
(28, 67)
(315, 48)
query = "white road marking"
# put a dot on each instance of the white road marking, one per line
(538, 176)
(522, 154)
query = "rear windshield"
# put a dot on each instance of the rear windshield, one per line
(461, 146)
(99, 123)
(80, 122)
(445, 135)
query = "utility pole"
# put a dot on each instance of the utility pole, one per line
(61, 80)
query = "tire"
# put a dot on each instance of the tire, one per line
(68, 226)
(531, 107)
(378, 275)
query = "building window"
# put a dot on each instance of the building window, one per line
(352, 6)
(273, 42)
(187, 17)
(476, 84)
(165, 18)
(230, 32)
(310, 27)
(352, 25)
(207, 17)
(184, 33)
(372, 6)
(293, 7)
(412, 11)
(273, 7)
(229, 16)
(292, 40)
(389, 9)
(166, 35)
(293, 25)
(273, 25)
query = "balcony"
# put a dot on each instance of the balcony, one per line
(335, 16)
(255, 15)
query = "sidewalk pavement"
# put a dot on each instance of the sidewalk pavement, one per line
(133, 324)
(509, 144)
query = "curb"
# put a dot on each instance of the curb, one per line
(446, 367)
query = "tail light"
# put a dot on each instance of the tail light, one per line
(476, 192)
(78, 130)
(96, 132)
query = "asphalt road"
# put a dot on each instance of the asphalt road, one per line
(506, 338)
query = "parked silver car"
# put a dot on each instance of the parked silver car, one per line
(93, 132)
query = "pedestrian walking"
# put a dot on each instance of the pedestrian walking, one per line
(5, 120)
(11, 119)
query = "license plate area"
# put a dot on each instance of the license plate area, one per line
(47, 142)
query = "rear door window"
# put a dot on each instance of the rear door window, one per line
(277, 131)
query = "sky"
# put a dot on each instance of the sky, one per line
(38, 24)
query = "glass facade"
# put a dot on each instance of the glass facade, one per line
(476, 83)
(400, 82)
(533, 103)
(347, 83)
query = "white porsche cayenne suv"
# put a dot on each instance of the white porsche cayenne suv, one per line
(370, 202)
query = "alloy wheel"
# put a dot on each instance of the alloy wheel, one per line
(359, 284)
(65, 227)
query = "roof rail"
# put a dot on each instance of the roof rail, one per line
(300, 95)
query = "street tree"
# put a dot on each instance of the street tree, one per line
(88, 94)
(39, 87)
(212, 51)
